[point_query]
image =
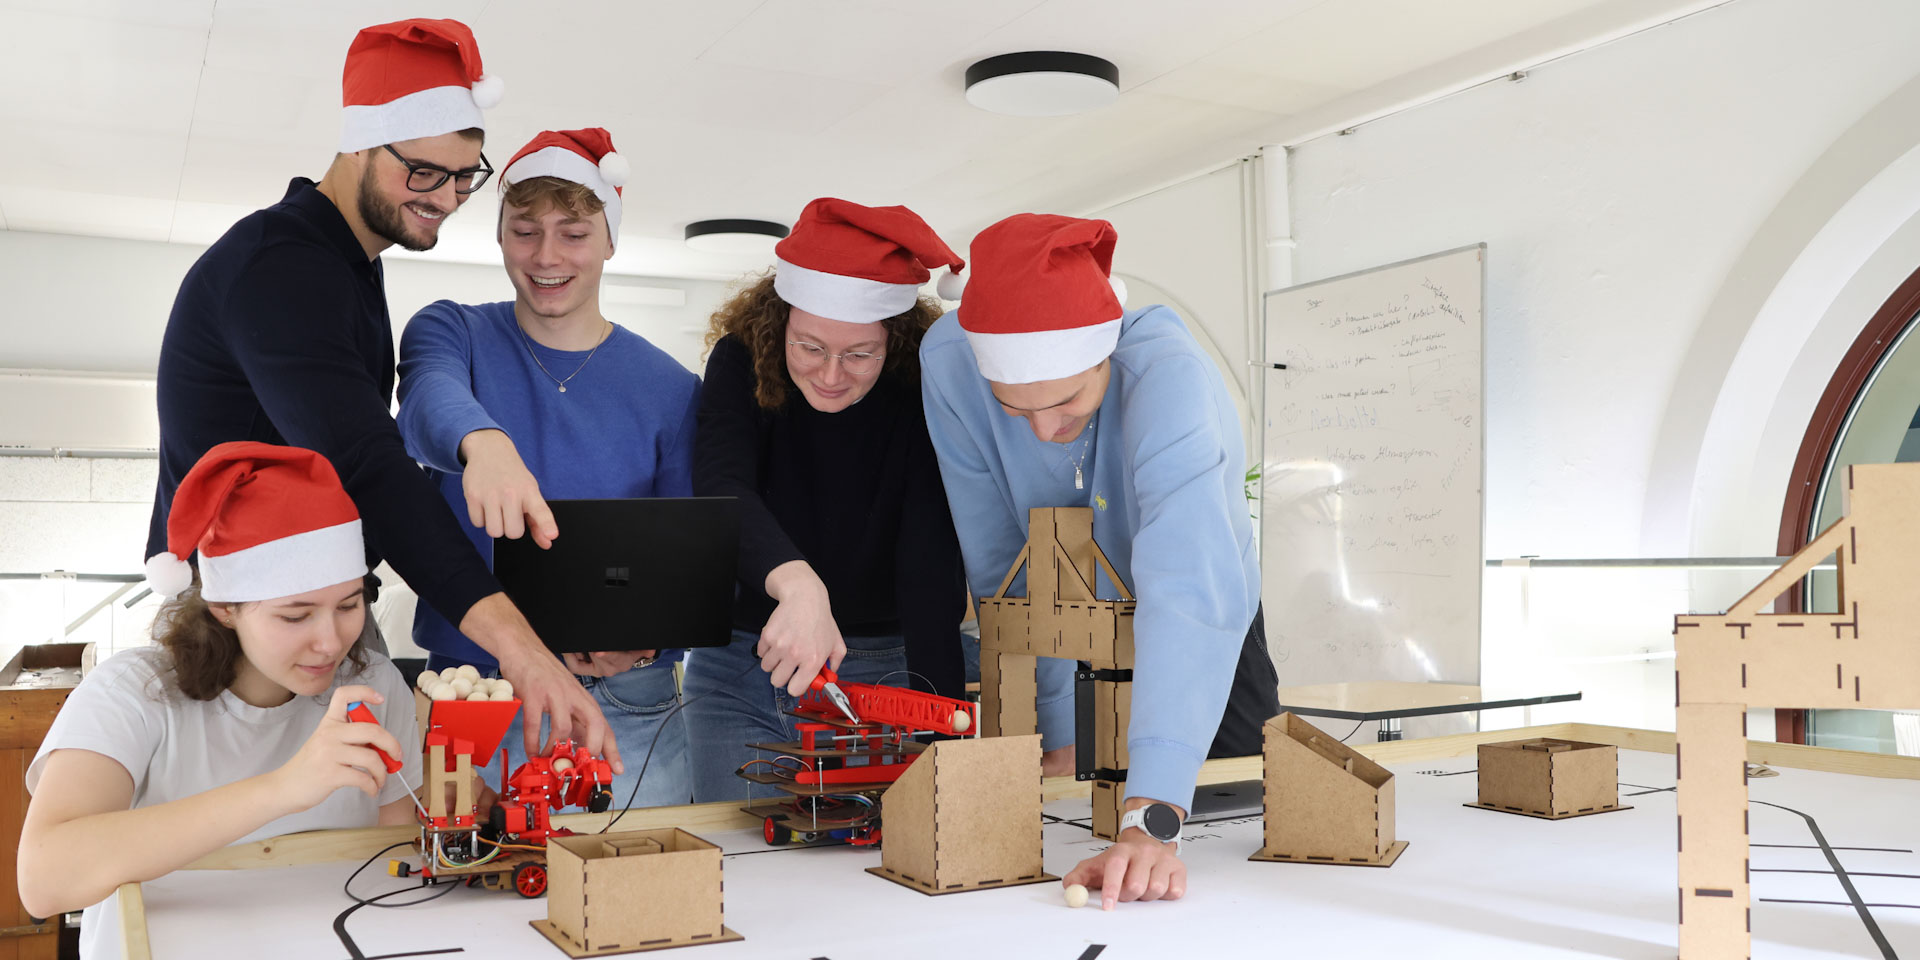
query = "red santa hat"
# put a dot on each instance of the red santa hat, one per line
(268, 522)
(413, 79)
(585, 157)
(1043, 303)
(860, 264)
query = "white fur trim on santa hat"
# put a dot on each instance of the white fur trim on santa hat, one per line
(488, 91)
(951, 285)
(1043, 354)
(168, 575)
(287, 566)
(836, 297)
(1119, 289)
(427, 113)
(572, 167)
(615, 169)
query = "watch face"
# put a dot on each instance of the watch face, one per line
(1161, 822)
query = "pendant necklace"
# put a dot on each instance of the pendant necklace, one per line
(562, 384)
(1078, 482)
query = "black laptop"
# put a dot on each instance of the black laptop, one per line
(638, 574)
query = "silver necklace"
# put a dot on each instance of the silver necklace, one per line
(1078, 482)
(576, 370)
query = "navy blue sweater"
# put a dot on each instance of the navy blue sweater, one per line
(280, 334)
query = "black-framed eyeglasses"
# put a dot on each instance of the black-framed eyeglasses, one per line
(426, 178)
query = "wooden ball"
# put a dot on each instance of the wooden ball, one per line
(562, 765)
(447, 675)
(468, 670)
(961, 721)
(1076, 895)
(499, 694)
(461, 687)
(441, 691)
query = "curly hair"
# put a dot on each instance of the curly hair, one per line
(206, 654)
(757, 317)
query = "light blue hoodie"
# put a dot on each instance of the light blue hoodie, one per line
(1164, 467)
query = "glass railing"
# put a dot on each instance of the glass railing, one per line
(1605, 628)
(113, 611)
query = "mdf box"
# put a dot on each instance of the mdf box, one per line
(1550, 779)
(611, 893)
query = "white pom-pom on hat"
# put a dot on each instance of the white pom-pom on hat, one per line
(615, 169)
(168, 575)
(950, 286)
(1119, 289)
(488, 91)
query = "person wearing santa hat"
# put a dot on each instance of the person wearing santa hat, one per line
(232, 726)
(1041, 391)
(280, 333)
(811, 416)
(541, 396)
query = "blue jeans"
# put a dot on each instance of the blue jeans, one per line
(732, 704)
(636, 704)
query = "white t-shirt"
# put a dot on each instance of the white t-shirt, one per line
(127, 709)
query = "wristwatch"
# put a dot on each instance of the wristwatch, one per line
(1156, 820)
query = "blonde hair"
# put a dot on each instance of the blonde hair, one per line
(537, 195)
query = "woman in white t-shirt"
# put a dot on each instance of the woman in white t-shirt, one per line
(233, 727)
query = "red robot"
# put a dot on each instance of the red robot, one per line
(509, 848)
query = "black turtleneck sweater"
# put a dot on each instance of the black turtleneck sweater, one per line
(856, 494)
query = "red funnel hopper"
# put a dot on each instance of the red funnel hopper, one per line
(483, 722)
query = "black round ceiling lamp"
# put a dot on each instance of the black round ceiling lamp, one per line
(734, 236)
(1044, 83)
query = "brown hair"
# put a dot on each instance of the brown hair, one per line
(757, 317)
(536, 195)
(206, 655)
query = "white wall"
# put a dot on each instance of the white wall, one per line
(1189, 246)
(96, 304)
(1685, 228)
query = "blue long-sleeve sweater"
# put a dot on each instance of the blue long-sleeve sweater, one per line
(1164, 477)
(624, 428)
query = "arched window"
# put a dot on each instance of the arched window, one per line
(1869, 413)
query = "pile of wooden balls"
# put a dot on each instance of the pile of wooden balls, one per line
(462, 683)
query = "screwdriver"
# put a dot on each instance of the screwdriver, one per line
(357, 712)
(828, 682)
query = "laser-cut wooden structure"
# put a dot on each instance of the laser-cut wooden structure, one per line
(1548, 778)
(965, 816)
(1060, 617)
(1748, 658)
(1324, 802)
(631, 891)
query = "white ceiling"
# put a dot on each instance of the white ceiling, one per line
(169, 119)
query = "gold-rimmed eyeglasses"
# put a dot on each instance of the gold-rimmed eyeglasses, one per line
(810, 356)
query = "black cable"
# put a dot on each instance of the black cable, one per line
(923, 679)
(340, 922)
(1356, 729)
(682, 705)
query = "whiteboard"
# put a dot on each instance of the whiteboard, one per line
(1371, 473)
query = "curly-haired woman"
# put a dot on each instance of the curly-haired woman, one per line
(811, 415)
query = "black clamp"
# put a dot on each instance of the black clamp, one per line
(1085, 750)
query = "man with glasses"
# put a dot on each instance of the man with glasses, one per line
(280, 334)
(540, 396)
